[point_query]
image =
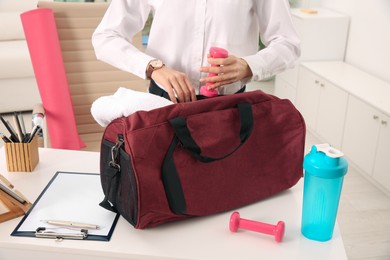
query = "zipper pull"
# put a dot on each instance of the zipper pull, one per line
(115, 152)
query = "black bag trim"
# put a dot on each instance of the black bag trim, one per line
(111, 173)
(116, 173)
(182, 132)
(171, 182)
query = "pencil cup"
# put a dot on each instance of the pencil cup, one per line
(325, 168)
(22, 157)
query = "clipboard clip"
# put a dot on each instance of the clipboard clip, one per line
(42, 232)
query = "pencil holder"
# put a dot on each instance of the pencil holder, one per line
(22, 157)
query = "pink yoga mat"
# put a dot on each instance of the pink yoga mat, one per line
(43, 43)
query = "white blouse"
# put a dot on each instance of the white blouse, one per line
(183, 31)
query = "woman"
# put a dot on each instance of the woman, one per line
(182, 32)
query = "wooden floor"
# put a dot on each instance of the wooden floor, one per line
(364, 210)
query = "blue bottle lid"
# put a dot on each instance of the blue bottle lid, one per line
(325, 161)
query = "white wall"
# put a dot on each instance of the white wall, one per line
(368, 46)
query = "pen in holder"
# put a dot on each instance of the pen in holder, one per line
(22, 157)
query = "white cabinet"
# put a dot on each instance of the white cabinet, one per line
(308, 95)
(323, 106)
(361, 134)
(323, 37)
(367, 140)
(381, 171)
(284, 89)
(286, 84)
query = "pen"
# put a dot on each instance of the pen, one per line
(5, 138)
(22, 123)
(13, 132)
(18, 126)
(64, 223)
(33, 133)
(14, 137)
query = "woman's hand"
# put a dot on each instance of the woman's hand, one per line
(176, 83)
(228, 70)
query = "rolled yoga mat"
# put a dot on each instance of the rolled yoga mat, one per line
(46, 57)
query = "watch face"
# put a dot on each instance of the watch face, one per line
(156, 64)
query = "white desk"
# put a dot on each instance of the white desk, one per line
(200, 238)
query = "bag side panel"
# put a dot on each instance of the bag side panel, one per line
(153, 204)
(122, 187)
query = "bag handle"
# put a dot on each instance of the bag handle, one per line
(182, 132)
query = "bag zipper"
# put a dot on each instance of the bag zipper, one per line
(115, 152)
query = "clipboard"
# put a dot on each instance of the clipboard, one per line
(73, 197)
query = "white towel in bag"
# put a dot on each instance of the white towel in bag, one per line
(123, 103)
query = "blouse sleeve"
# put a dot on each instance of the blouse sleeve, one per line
(280, 38)
(112, 39)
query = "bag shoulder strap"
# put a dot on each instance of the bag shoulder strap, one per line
(182, 132)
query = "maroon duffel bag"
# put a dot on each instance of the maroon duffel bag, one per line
(200, 158)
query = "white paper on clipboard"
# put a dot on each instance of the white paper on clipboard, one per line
(71, 197)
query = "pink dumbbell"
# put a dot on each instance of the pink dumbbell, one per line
(275, 230)
(215, 52)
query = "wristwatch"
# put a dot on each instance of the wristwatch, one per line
(152, 66)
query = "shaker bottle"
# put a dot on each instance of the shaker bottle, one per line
(324, 168)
